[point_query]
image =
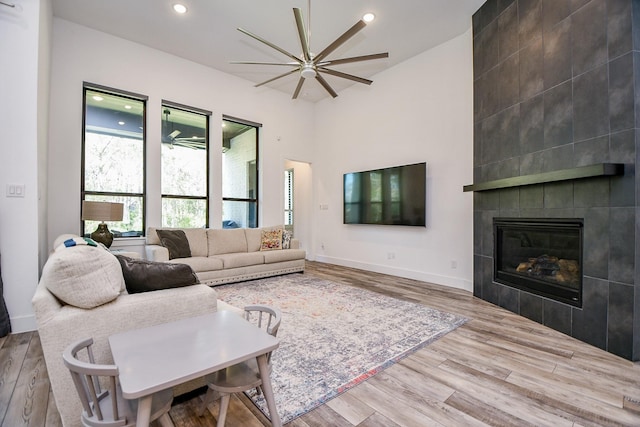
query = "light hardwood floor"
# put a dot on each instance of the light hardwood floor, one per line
(497, 369)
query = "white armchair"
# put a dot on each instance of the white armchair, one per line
(60, 324)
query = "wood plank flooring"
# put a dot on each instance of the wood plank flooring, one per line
(498, 369)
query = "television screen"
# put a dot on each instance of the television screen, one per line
(389, 196)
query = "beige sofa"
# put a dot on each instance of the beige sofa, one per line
(86, 272)
(221, 256)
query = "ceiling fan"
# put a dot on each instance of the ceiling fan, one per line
(309, 65)
(172, 138)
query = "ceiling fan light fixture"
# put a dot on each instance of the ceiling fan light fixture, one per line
(308, 71)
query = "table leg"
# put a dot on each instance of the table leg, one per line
(144, 411)
(268, 391)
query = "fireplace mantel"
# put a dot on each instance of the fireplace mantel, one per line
(591, 171)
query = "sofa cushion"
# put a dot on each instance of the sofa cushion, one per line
(271, 239)
(83, 276)
(283, 255)
(197, 238)
(253, 236)
(176, 243)
(226, 241)
(241, 259)
(200, 263)
(143, 276)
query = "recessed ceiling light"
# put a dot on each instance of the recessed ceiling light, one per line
(368, 17)
(97, 98)
(121, 123)
(180, 8)
(127, 107)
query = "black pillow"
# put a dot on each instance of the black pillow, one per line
(143, 276)
(176, 242)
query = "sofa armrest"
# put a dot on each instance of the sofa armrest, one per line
(45, 304)
(295, 244)
(156, 253)
(129, 311)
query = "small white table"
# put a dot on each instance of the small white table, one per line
(162, 356)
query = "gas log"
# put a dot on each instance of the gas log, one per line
(548, 267)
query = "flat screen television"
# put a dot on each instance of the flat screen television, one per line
(389, 196)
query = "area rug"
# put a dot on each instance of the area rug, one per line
(334, 336)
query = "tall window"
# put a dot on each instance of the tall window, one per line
(239, 173)
(288, 199)
(185, 166)
(113, 147)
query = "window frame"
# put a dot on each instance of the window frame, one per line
(289, 177)
(206, 198)
(255, 200)
(87, 86)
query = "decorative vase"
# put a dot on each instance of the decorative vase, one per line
(103, 235)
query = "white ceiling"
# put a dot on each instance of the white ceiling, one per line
(207, 33)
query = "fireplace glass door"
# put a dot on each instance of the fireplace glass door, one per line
(541, 256)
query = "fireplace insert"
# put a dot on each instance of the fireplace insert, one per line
(540, 256)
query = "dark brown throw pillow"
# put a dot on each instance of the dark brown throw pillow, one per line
(176, 242)
(143, 276)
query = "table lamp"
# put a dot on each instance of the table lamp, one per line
(102, 211)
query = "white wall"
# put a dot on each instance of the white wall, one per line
(81, 54)
(420, 110)
(24, 61)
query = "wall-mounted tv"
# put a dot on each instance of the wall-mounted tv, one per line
(389, 196)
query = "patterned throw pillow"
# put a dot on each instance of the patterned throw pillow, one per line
(271, 239)
(286, 239)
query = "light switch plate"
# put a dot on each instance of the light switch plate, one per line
(15, 190)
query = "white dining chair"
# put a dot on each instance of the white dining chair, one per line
(245, 375)
(100, 393)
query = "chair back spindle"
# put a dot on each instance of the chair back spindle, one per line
(99, 391)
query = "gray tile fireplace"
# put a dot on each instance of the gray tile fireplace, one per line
(556, 94)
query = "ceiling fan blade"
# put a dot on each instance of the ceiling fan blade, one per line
(343, 38)
(279, 49)
(193, 145)
(345, 75)
(354, 59)
(294, 64)
(192, 139)
(298, 88)
(304, 40)
(278, 77)
(325, 85)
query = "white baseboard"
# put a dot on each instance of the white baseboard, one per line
(453, 282)
(23, 324)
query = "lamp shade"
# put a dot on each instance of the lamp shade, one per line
(101, 211)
